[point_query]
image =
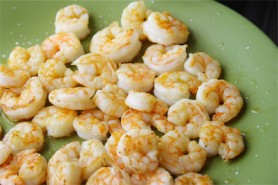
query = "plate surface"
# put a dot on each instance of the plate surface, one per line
(248, 59)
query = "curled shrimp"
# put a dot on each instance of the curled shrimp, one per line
(188, 113)
(108, 176)
(27, 60)
(92, 157)
(95, 71)
(63, 167)
(55, 120)
(64, 46)
(172, 148)
(203, 66)
(5, 152)
(12, 78)
(73, 18)
(111, 100)
(221, 98)
(138, 150)
(216, 138)
(193, 178)
(120, 45)
(53, 74)
(170, 87)
(78, 98)
(134, 15)
(164, 29)
(137, 77)
(162, 58)
(27, 103)
(145, 102)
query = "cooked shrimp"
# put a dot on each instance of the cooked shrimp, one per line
(63, 166)
(26, 104)
(73, 18)
(189, 113)
(221, 98)
(27, 60)
(111, 100)
(162, 58)
(164, 29)
(120, 45)
(78, 98)
(137, 77)
(108, 176)
(92, 157)
(95, 71)
(203, 66)
(173, 147)
(64, 46)
(134, 15)
(5, 152)
(56, 121)
(24, 135)
(170, 87)
(138, 150)
(12, 78)
(193, 178)
(88, 126)
(145, 102)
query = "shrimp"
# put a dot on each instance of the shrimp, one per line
(78, 98)
(118, 44)
(145, 102)
(164, 29)
(26, 167)
(27, 60)
(134, 15)
(12, 78)
(160, 58)
(188, 113)
(172, 148)
(137, 77)
(220, 98)
(108, 176)
(24, 135)
(111, 100)
(56, 121)
(170, 87)
(73, 18)
(88, 126)
(138, 150)
(25, 105)
(64, 46)
(203, 66)
(5, 152)
(216, 138)
(92, 157)
(95, 71)
(193, 178)
(63, 166)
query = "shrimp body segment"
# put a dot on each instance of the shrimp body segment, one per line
(193, 178)
(120, 45)
(137, 77)
(78, 98)
(73, 18)
(56, 121)
(164, 29)
(173, 86)
(53, 74)
(27, 60)
(221, 98)
(27, 103)
(5, 152)
(12, 78)
(64, 46)
(95, 71)
(203, 66)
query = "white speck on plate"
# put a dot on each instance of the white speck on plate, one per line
(100, 16)
(257, 68)
(254, 111)
(258, 126)
(236, 173)
(152, 1)
(17, 43)
(29, 43)
(11, 33)
(266, 92)
(256, 155)
(18, 24)
(235, 81)
(219, 13)
(247, 47)
(14, 7)
(191, 20)
(3, 56)
(46, 33)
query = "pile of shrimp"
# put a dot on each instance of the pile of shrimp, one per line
(155, 122)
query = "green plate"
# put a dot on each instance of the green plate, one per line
(247, 56)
